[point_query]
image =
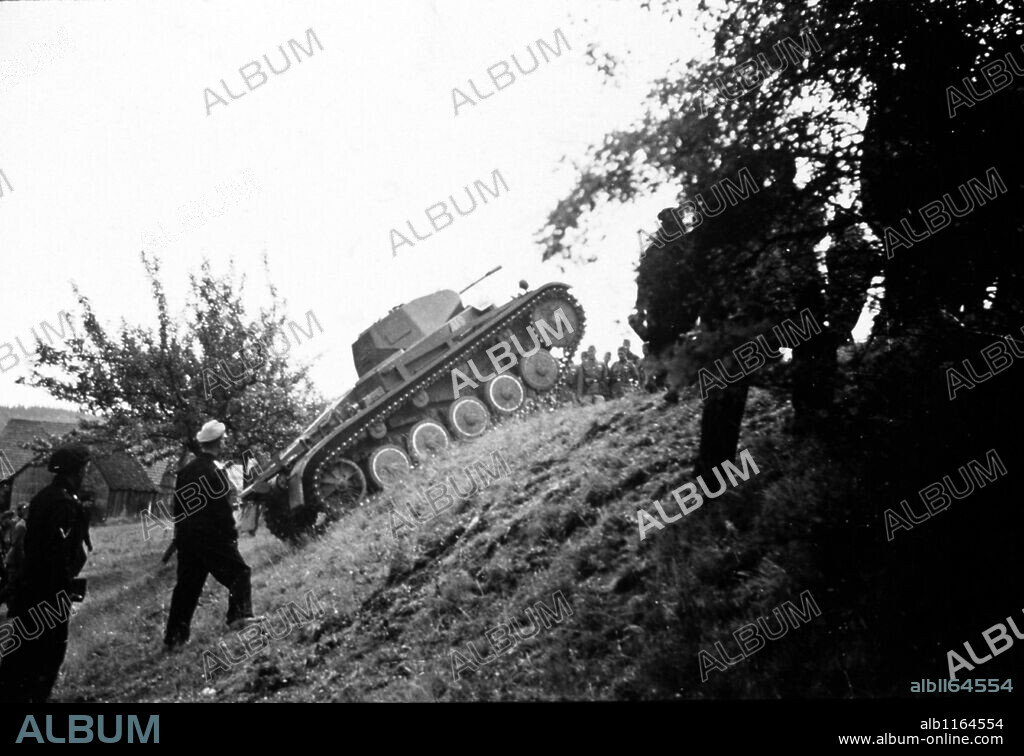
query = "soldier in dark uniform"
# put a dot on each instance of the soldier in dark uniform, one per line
(45, 585)
(207, 541)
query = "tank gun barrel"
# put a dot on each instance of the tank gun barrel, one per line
(485, 275)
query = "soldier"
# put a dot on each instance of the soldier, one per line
(606, 375)
(623, 375)
(571, 380)
(15, 552)
(54, 554)
(629, 352)
(651, 371)
(207, 541)
(588, 384)
(7, 523)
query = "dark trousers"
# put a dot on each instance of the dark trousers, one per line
(29, 671)
(198, 558)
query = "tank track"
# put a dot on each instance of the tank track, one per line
(307, 519)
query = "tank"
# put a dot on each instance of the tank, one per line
(431, 372)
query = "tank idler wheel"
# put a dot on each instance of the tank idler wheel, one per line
(388, 464)
(340, 486)
(468, 417)
(555, 314)
(506, 393)
(427, 438)
(539, 370)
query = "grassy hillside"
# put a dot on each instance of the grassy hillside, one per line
(564, 520)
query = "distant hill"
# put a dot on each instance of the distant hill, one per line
(40, 413)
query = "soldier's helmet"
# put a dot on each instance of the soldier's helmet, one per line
(69, 459)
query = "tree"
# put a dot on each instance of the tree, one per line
(841, 112)
(154, 388)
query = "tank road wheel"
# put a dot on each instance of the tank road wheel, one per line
(468, 417)
(427, 438)
(388, 464)
(548, 311)
(340, 485)
(539, 370)
(506, 393)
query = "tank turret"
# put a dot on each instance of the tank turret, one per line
(403, 327)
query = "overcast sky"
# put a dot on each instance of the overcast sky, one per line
(108, 148)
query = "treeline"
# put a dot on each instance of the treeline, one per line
(48, 414)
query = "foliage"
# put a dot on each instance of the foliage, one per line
(154, 388)
(852, 135)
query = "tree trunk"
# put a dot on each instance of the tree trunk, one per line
(720, 425)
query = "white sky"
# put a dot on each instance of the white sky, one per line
(108, 149)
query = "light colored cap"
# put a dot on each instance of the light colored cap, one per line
(210, 432)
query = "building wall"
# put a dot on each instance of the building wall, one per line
(28, 483)
(128, 503)
(166, 495)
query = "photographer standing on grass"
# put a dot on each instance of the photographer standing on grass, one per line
(207, 541)
(56, 534)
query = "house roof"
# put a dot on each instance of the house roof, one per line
(158, 470)
(6, 468)
(18, 432)
(124, 473)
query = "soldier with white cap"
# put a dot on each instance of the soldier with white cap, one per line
(207, 540)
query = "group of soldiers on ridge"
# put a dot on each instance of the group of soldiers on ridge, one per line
(595, 381)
